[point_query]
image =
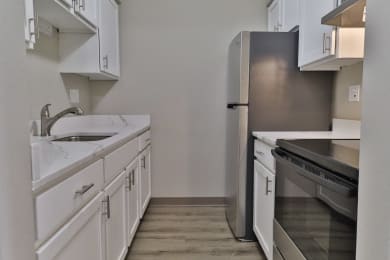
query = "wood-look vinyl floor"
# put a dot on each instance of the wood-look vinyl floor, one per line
(189, 233)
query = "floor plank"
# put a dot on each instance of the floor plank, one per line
(190, 233)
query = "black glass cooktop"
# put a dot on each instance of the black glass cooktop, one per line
(339, 156)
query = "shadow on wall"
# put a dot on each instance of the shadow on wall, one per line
(101, 89)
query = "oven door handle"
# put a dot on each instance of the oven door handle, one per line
(342, 187)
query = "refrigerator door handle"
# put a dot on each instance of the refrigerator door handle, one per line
(235, 105)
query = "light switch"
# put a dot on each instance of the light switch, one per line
(74, 96)
(354, 93)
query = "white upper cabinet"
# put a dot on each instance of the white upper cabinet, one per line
(275, 16)
(290, 14)
(68, 15)
(87, 9)
(283, 15)
(30, 24)
(94, 55)
(324, 47)
(109, 37)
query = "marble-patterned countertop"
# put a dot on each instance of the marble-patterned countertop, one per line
(53, 162)
(342, 129)
(271, 137)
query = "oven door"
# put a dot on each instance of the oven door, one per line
(315, 211)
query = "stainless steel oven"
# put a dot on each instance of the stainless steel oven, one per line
(316, 199)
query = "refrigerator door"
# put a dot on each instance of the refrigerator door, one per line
(237, 133)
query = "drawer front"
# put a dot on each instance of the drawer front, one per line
(117, 161)
(264, 155)
(144, 140)
(80, 239)
(56, 205)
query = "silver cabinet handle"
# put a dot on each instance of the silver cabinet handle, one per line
(33, 26)
(328, 43)
(107, 202)
(323, 42)
(260, 153)
(128, 179)
(133, 176)
(143, 162)
(105, 62)
(267, 190)
(84, 189)
(82, 4)
(31, 23)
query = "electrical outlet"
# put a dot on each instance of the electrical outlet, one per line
(354, 93)
(74, 96)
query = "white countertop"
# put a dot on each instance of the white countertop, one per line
(271, 137)
(342, 129)
(53, 161)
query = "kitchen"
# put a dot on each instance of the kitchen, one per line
(173, 60)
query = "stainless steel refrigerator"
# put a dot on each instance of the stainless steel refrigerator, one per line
(266, 92)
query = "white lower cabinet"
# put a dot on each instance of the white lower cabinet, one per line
(81, 238)
(93, 219)
(115, 221)
(264, 206)
(133, 216)
(145, 180)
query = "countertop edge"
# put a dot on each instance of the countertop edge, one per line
(59, 176)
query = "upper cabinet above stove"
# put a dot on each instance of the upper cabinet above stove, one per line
(325, 47)
(350, 13)
(321, 47)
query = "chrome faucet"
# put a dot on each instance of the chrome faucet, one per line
(47, 122)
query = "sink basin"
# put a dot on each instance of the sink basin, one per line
(82, 138)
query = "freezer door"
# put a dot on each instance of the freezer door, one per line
(237, 133)
(238, 69)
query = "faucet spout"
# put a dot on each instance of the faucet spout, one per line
(47, 122)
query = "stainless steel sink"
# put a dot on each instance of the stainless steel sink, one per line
(82, 138)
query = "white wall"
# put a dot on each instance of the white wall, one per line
(341, 107)
(28, 80)
(174, 60)
(16, 214)
(46, 84)
(374, 187)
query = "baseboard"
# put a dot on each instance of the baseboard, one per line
(190, 201)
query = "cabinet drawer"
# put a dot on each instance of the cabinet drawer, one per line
(144, 140)
(264, 155)
(116, 162)
(80, 238)
(55, 206)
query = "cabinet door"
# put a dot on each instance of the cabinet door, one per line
(29, 24)
(316, 41)
(264, 206)
(109, 37)
(81, 238)
(275, 16)
(290, 15)
(115, 202)
(132, 200)
(145, 180)
(87, 9)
